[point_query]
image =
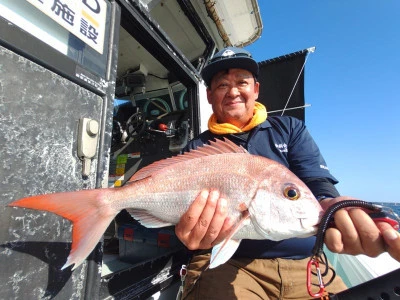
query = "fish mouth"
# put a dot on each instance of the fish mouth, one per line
(308, 227)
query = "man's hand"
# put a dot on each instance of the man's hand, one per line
(205, 223)
(356, 233)
(391, 238)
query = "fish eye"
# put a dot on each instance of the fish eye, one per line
(291, 192)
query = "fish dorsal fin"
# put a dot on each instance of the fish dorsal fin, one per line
(222, 252)
(213, 148)
(146, 219)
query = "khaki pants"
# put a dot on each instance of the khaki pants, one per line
(251, 279)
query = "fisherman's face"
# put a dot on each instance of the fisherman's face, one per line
(232, 94)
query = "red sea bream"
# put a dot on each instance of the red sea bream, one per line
(265, 199)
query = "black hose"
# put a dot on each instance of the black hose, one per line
(327, 218)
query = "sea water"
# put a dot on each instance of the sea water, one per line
(394, 206)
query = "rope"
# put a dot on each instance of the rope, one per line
(309, 50)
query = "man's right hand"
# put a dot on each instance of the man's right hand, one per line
(205, 223)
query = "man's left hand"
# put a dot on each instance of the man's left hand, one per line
(356, 233)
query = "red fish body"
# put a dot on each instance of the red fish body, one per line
(265, 200)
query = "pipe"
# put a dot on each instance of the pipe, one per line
(214, 16)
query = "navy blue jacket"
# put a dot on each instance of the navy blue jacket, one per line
(285, 140)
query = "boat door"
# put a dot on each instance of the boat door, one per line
(56, 96)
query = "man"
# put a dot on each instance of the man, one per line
(265, 269)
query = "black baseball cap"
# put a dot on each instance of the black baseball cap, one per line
(229, 58)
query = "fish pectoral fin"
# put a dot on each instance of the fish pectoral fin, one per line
(146, 219)
(222, 252)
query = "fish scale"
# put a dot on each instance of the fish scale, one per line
(239, 187)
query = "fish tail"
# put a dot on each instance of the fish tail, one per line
(89, 211)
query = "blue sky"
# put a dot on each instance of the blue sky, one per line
(352, 82)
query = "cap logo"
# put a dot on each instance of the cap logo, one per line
(228, 53)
